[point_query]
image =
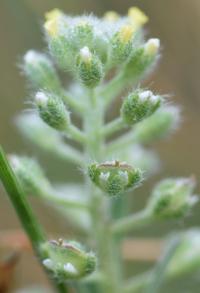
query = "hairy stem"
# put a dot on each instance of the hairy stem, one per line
(100, 207)
(131, 222)
(113, 127)
(24, 211)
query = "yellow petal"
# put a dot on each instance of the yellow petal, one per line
(126, 33)
(51, 26)
(111, 16)
(53, 14)
(137, 16)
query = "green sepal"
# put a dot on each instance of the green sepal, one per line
(114, 178)
(67, 260)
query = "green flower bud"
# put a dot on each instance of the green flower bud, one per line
(138, 106)
(122, 44)
(172, 198)
(89, 68)
(68, 41)
(187, 256)
(159, 125)
(82, 34)
(30, 174)
(68, 260)
(115, 177)
(142, 60)
(52, 110)
(40, 71)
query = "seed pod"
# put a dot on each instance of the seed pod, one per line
(40, 71)
(172, 198)
(138, 106)
(67, 260)
(115, 177)
(89, 68)
(52, 110)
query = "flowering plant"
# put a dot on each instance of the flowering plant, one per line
(105, 57)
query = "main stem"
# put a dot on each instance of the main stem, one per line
(24, 212)
(100, 208)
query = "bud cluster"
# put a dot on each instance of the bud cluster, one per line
(104, 56)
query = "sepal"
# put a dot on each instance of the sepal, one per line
(67, 260)
(114, 177)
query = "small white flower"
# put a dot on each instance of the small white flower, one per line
(48, 263)
(145, 95)
(85, 54)
(30, 57)
(104, 176)
(69, 268)
(152, 46)
(41, 98)
(150, 96)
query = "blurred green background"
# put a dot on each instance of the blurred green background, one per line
(176, 23)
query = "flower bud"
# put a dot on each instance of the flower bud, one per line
(67, 260)
(89, 68)
(138, 106)
(187, 256)
(151, 47)
(30, 174)
(172, 198)
(40, 71)
(122, 44)
(111, 16)
(52, 22)
(52, 110)
(137, 17)
(159, 125)
(82, 34)
(115, 177)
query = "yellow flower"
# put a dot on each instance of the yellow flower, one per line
(51, 24)
(111, 16)
(137, 17)
(53, 14)
(126, 33)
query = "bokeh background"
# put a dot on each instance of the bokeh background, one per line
(176, 23)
